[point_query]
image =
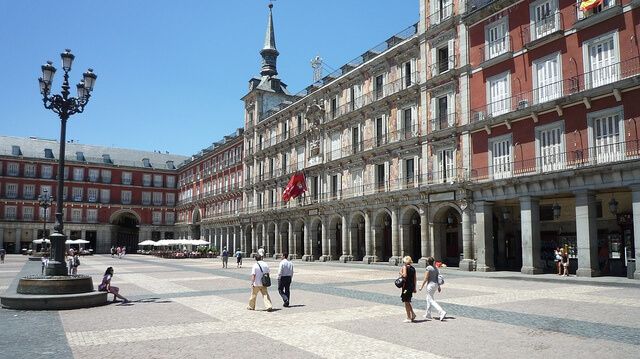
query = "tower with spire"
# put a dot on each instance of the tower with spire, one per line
(267, 91)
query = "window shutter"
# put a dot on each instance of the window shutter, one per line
(399, 122)
(432, 112)
(434, 61)
(451, 52)
(413, 72)
(386, 175)
(414, 120)
(401, 175)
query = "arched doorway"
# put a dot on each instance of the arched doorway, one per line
(382, 230)
(246, 244)
(284, 236)
(356, 236)
(126, 231)
(411, 239)
(334, 236)
(448, 234)
(298, 240)
(271, 239)
(194, 228)
(316, 239)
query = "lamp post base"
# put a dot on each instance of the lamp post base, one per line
(57, 265)
(56, 269)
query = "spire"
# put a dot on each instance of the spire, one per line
(269, 52)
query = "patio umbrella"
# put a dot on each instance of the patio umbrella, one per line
(147, 243)
(40, 240)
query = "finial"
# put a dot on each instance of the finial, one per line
(270, 5)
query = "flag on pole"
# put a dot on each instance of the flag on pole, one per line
(586, 5)
(296, 186)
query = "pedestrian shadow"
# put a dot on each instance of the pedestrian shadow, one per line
(296, 306)
(150, 300)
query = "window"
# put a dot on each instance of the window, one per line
(146, 198)
(106, 176)
(11, 190)
(125, 197)
(157, 198)
(606, 130)
(78, 174)
(66, 172)
(127, 178)
(27, 213)
(601, 60)
(442, 57)
(545, 18)
(381, 177)
(171, 182)
(300, 159)
(409, 171)
(445, 165)
(105, 196)
(356, 144)
(46, 188)
(42, 215)
(92, 215)
(407, 129)
(356, 180)
(29, 191)
(94, 174)
(357, 101)
(13, 169)
(46, 171)
(440, 10)
(334, 106)
(10, 212)
(408, 74)
(498, 92)
(335, 150)
(600, 8)
(550, 147)
(335, 186)
(547, 81)
(299, 124)
(146, 180)
(381, 131)
(76, 215)
(157, 180)
(169, 218)
(497, 39)
(92, 194)
(156, 217)
(171, 199)
(500, 156)
(29, 170)
(442, 111)
(76, 193)
(285, 164)
(378, 86)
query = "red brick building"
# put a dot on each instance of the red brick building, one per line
(113, 196)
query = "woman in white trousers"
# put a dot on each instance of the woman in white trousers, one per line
(431, 279)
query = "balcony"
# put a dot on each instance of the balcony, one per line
(543, 31)
(564, 91)
(441, 16)
(442, 69)
(444, 121)
(604, 11)
(561, 161)
(496, 51)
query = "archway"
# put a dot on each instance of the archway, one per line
(194, 228)
(410, 231)
(334, 236)
(126, 231)
(448, 235)
(316, 238)
(271, 239)
(246, 244)
(298, 240)
(284, 236)
(357, 236)
(382, 237)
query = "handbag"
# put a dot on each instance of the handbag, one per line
(399, 282)
(266, 279)
(440, 279)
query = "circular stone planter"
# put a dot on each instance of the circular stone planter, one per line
(48, 285)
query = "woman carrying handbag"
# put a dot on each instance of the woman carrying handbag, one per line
(409, 274)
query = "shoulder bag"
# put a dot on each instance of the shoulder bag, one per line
(266, 279)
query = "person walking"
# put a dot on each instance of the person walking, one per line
(259, 269)
(557, 254)
(285, 274)
(431, 278)
(106, 286)
(565, 263)
(3, 252)
(75, 263)
(225, 257)
(69, 261)
(408, 288)
(119, 252)
(238, 256)
(113, 251)
(45, 263)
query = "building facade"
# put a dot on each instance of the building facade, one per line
(112, 196)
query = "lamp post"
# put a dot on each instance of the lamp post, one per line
(64, 106)
(45, 202)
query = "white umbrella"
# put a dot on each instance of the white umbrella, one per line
(147, 243)
(40, 240)
(199, 242)
(81, 241)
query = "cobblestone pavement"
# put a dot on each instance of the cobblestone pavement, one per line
(194, 308)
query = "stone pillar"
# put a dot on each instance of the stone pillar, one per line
(18, 235)
(395, 243)
(346, 255)
(236, 239)
(586, 234)
(276, 241)
(467, 263)
(635, 207)
(291, 246)
(263, 245)
(370, 255)
(326, 241)
(2, 237)
(254, 241)
(243, 242)
(308, 257)
(424, 236)
(484, 236)
(530, 227)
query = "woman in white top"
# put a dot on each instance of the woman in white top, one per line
(431, 278)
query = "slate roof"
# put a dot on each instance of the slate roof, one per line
(37, 147)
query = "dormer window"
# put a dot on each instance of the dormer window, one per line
(106, 159)
(48, 153)
(80, 156)
(15, 150)
(146, 162)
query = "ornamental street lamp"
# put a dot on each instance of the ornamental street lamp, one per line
(45, 202)
(64, 106)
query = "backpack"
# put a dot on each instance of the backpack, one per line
(266, 279)
(76, 261)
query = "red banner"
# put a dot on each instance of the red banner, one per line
(586, 5)
(296, 186)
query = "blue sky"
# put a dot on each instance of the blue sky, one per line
(171, 72)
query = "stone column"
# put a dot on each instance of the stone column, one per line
(484, 236)
(326, 246)
(291, 245)
(236, 239)
(635, 207)
(243, 242)
(18, 235)
(395, 243)
(308, 257)
(424, 236)
(263, 245)
(370, 255)
(530, 227)
(2, 237)
(254, 241)
(346, 255)
(586, 234)
(276, 241)
(467, 262)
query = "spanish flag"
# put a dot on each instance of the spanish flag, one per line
(587, 5)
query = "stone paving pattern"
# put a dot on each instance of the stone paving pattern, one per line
(194, 308)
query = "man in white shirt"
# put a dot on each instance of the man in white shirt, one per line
(285, 274)
(257, 271)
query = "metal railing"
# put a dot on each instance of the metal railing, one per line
(561, 161)
(581, 15)
(495, 48)
(440, 15)
(444, 121)
(569, 86)
(552, 23)
(443, 65)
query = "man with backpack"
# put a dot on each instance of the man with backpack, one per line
(260, 281)
(225, 257)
